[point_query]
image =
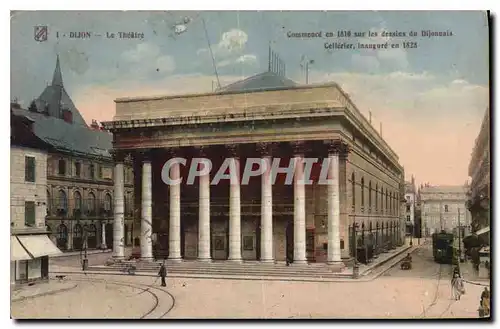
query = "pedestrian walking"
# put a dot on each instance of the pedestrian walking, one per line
(162, 274)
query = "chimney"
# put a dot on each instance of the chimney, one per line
(94, 125)
(67, 116)
(370, 117)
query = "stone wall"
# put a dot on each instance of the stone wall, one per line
(22, 191)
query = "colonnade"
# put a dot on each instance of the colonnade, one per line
(336, 150)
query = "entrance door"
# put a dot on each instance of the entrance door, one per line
(109, 236)
(183, 239)
(289, 240)
(125, 238)
(45, 267)
(257, 239)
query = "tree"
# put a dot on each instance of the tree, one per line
(33, 107)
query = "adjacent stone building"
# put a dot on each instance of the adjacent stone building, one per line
(30, 247)
(266, 116)
(479, 170)
(409, 206)
(443, 208)
(79, 169)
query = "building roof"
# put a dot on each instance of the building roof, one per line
(444, 189)
(54, 99)
(67, 137)
(262, 82)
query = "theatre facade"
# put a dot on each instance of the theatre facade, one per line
(266, 116)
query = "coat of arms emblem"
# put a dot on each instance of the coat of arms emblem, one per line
(41, 33)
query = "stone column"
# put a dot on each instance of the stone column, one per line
(146, 209)
(119, 220)
(266, 224)
(333, 202)
(299, 207)
(174, 236)
(204, 217)
(103, 236)
(234, 207)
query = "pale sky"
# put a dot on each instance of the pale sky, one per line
(430, 99)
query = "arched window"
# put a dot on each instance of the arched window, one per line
(49, 203)
(91, 202)
(78, 200)
(381, 199)
(63, 201)
(77, 231)
(92, 230)
(386, 201)
(107, 202)
(370, 196)
(353, 191)
(390, 202)
(62, 232)
(376, 197)
(362, 193)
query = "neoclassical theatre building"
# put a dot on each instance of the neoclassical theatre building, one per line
(265, 116)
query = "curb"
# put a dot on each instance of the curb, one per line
(385, 261)
(477, 283)
(44, 293)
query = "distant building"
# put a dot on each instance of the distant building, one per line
(30, 246)
(79, 169)
(479, 170)
(409, 211)
(443, 207)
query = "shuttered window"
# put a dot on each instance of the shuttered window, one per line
(29, 169)
(29, 213)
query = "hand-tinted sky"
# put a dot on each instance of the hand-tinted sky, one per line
(431, 99)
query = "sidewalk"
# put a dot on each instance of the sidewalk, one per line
(469, 275)
(40, 289)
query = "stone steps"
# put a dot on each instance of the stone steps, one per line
(228, 268)
(263, 273)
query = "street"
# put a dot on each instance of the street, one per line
(423, 292)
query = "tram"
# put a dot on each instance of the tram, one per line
(442, 248)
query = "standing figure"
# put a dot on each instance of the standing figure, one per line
(457, 286)
(485, 301)
(163, 273)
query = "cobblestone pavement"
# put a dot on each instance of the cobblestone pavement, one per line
(423, 292)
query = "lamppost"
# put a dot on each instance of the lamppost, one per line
(355, 268)
(459, 239)
(85, 261)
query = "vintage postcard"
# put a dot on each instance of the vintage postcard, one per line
(250, 164)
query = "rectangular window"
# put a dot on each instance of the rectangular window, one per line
(100, 172)
(62, 167)
(29, 169)
(29, 213)
(445, 208)
(78, 169)
(408, 218)
(408, 208)
(92, 171)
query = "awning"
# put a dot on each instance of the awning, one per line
(483, 230)
(17, 251)
(39, 245)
